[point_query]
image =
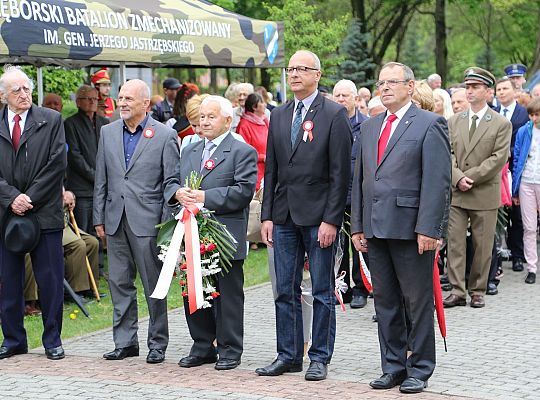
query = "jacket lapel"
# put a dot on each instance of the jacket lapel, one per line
(117, 136)
(219, 154)
(34, 121)
(480, 131)
(403, 125)
(286, 123)
(143, 142)
(195, 156)
(4, 127)
(310, 115)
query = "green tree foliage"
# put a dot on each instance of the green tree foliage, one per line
(57, 80)
(304, 31)
(357, 64)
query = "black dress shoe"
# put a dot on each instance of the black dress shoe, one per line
(358, 301)
(454, 300)
(55, 353)
(196, 361)
(517, 265)
(226, 363)
(531, 278)
(155, 356)
(6, 352)
(317, 371)
(412, 385)
(388, 381)
(492, 289)
(122, 352)
(278, 367)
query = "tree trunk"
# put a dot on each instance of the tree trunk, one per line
(252, 73)
(228, 75)
(536, 62)
(213, 80)
(441, 51)
(265, 79)
(192, 76)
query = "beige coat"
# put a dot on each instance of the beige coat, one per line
(480, 159)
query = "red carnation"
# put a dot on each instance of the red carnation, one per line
(203, 249)
(215, 294)
(184, 294)
(182, 282)
(183, 267)
(211, 247)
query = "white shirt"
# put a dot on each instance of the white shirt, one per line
(399, 114)
(510, 109)
(11, 120)
(480, 114)
(531, 172)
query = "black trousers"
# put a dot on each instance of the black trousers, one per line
(224, 321)
(515, 233)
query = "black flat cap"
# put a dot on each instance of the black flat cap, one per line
(20, 234)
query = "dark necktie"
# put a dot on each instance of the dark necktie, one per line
(207, 152)
(16, 134)
(385, 136)
(472, 129)
(505, 111)
(296, 123)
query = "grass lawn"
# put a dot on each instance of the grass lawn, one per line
(76, 324)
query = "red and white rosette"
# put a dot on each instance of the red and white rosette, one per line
(366, 275)
(148, 133)
(186, 226)
(209, 164)
(308, 129)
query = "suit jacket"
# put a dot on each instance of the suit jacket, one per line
(82, 139)
(481, 159)
(311, 180)
(138, 190)
(406, 194)
(228, 187)
(519, 118)
(37, 168)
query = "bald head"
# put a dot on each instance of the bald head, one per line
(535, 92)
(53, 101)
(133, 101)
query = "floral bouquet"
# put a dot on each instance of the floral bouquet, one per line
(197, 257)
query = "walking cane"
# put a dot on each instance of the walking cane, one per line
(88, 267)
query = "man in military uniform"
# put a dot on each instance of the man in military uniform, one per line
(102, 82)
(516, 73)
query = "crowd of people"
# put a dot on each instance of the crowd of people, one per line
(396, 175)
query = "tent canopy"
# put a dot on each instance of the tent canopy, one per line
(78, 33)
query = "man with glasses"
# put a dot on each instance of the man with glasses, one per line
(306, 182)
(82, 136)
(399, 196)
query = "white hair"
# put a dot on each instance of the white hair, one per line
(244, 85)
(224, 105)
(11, 70)
(375, 102)
(447, 102)
(434, 77)
(346, 84)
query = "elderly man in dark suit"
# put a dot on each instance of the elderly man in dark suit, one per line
(400, 187)
(135, 165)
(32, 166)
(306, 180)
(227, 188)
(82, 136)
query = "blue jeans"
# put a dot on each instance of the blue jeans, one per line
(291, 242)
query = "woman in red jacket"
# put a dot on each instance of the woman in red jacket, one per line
(253, 127)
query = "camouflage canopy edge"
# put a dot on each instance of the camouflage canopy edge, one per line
(167, 32)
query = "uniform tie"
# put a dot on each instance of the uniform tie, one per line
(472, 129)
(16, 134)
(296, 123)
(208, 147)
(385, 136)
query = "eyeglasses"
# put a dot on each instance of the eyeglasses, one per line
(19, 89)
(89, 98)
(301, 69)
(391, 83)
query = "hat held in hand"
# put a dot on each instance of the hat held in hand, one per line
(20, 234)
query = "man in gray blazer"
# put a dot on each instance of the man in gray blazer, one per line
(135, 166)
(229, 171)
(399, 196)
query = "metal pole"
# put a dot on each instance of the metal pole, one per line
(40, 85)
(283, 86)
(122, 73)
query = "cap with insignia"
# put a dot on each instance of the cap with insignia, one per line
(515, 70)
(101, 76)
(479, 75)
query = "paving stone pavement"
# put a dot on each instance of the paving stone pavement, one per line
(492, 354)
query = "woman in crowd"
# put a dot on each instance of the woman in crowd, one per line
(179, 121)
(423, 96)
(443, 103)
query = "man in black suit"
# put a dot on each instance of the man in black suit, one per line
(306, 180)
(517, 115)
(33, 148)
(399, 196)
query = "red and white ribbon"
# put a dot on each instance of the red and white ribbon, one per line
(366, 275)
(341, 287)
(186, 226)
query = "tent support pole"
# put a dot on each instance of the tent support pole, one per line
(283, 86)
(122, 73)
(40, 85)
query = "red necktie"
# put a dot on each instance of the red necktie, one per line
(385, 135)
(16, 134)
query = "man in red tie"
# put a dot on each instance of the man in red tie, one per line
(32, 167)
(399, 197)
